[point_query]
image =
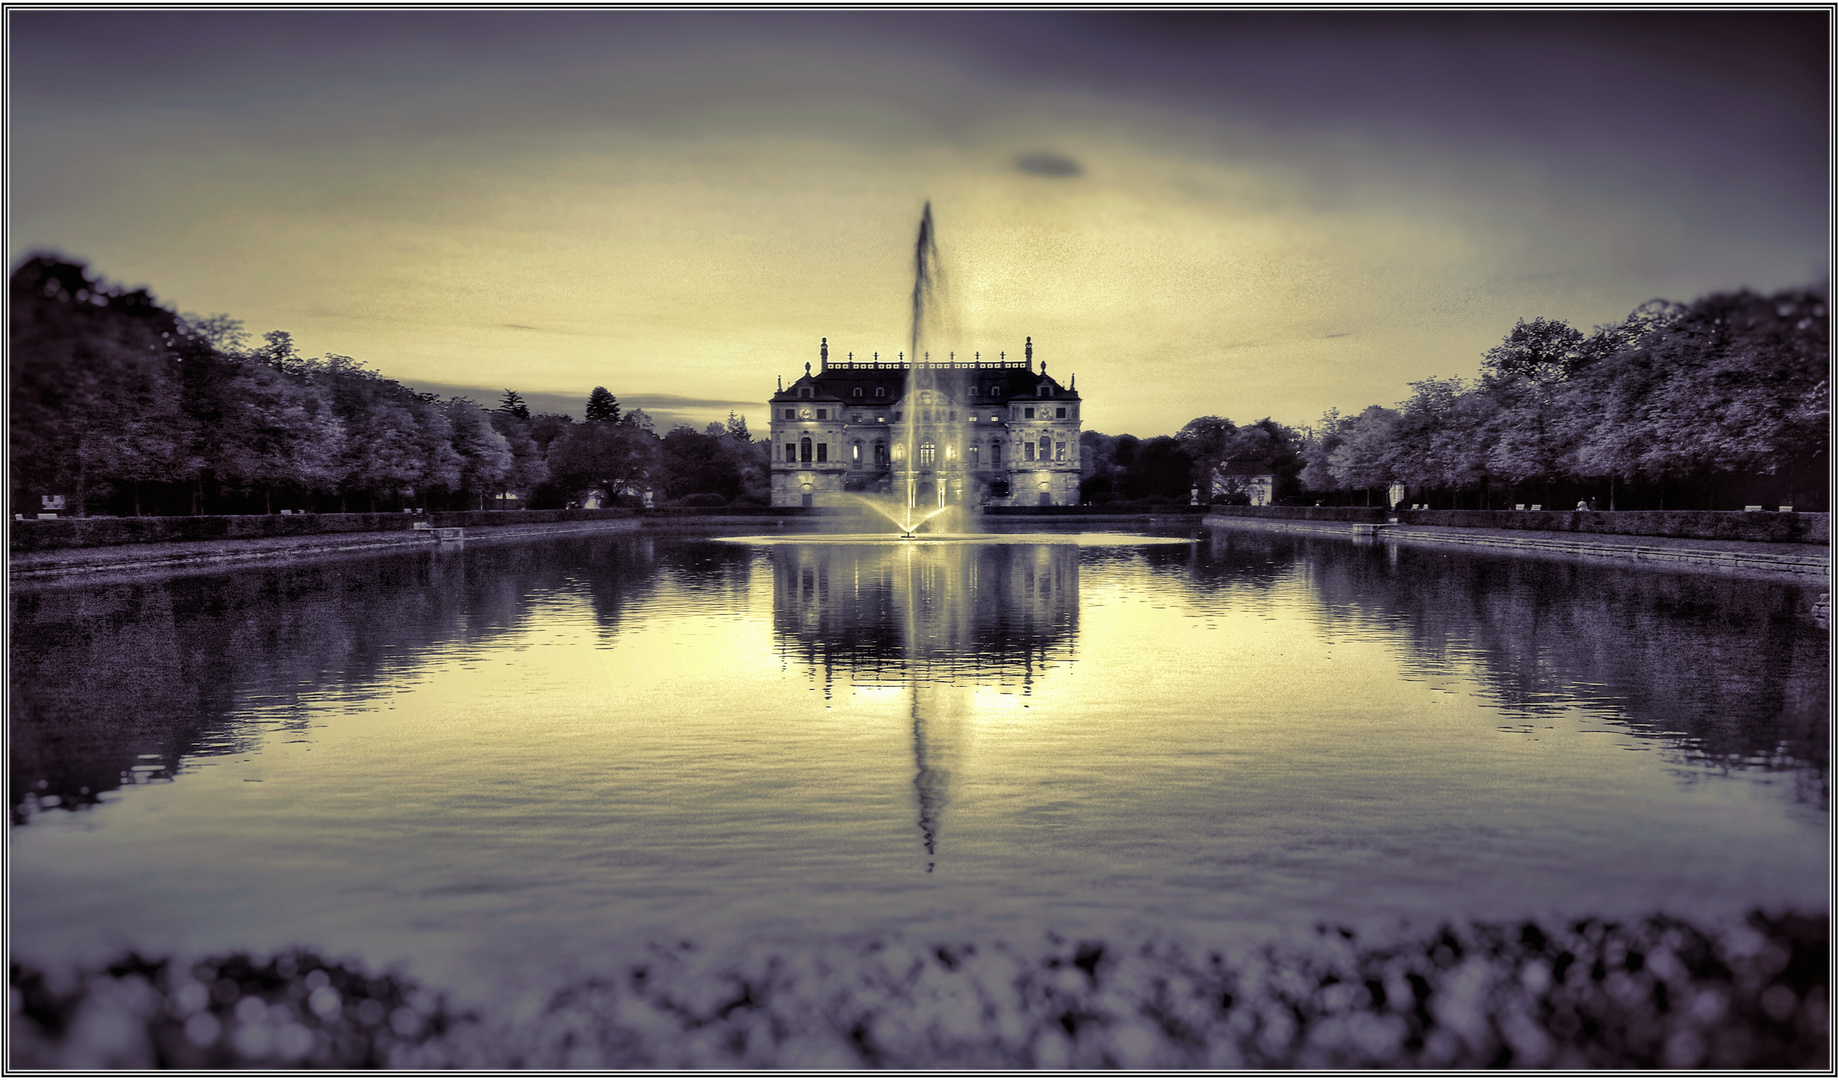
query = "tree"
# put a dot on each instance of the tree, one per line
(96, 384)
(485, 456)
(737, 428)
(640, 419)
(1363, 460)
(602, 407)
(611, 457)
(699, 463)
(512, 404)
(1543, 351)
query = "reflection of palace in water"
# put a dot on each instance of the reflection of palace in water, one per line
(935, 619)
(887, 614)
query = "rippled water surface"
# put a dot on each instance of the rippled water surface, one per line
(506, 758)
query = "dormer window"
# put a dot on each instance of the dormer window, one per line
(857, 392)
(804, 391)
(1043, 390)
(881, 391)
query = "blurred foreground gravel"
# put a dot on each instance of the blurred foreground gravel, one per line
(1658, 993)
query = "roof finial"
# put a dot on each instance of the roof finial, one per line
(929, 356)
(979, 356)
(823, 350)
(852, 356)
(954, 356)
(1073, 383)
(877, 356)
(903, 356)
(807, 367)
(781, 379)
(1030, 347)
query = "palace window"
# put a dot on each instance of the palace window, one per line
(994, 419)
(823, 414)
(855, 452)
(926, 453)
(1047, 446)
(791, 451)
(791, 414)
(823, 451)
(1028, 414)
(1059, 451)
(951, 416)
(857, 392)
(804, 449)
(1028, 451)
(996, 452)
(972, 451)
(881, 452)
(1043, 390)
(897, 416)
(804, 391)
(881, 391)
(1060, 413)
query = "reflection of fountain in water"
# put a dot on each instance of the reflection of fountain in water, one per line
(940, 620)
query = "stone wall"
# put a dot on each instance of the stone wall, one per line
(1765, 527)
(51, 535)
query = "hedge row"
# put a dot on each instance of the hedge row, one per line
(55, 534)
(1757, 527)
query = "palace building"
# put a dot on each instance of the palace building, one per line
(981, 432)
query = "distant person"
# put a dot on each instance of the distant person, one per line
(1582, 505)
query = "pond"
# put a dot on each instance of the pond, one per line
(509, 760)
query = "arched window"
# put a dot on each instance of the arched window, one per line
(1047, 447)
(972, 451)
(881, 391)
(927, 452)
(804, 449)
(857, 392)
(855, 453)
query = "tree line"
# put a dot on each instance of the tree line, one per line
(124, 406)
(1711, 405)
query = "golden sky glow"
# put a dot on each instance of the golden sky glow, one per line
(1270, 220)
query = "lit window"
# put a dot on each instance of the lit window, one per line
(994, 419)
(972, 450)
(855, 452)
(926, 453)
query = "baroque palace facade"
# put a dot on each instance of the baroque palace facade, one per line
(982, 432)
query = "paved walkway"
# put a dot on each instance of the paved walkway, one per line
(1810, 563)
(85, 563)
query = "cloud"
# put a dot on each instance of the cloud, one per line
(1057, 166)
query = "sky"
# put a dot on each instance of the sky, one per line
(1228, 213)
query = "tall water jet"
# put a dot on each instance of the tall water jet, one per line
(929, 433)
